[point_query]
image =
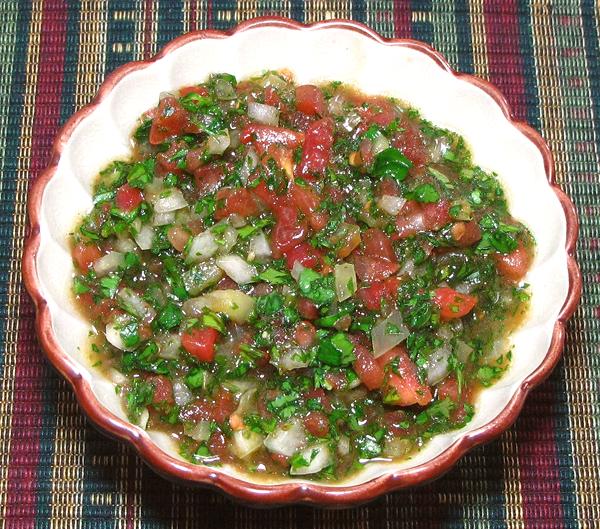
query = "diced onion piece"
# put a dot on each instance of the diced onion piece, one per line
(236, 220)
(265, 114)
(218, 143)
(162, 219)
(227, 239)
(343, 446)
(143, 234)
(181, 393)
(224, 90)
(286, 439)
(345, 281)
(236, 268)
(168, 345)
(274, 80)
(234, 303)
(391, 204)
(134, 304)
(335, 105)
(259, 246)
(292, 358)
(437, 366)
(199, 431)
(170, 200)
(388, 333)
(203, 247)
(125, 244)
(380, 143)
(116, 377)
(239, 385)
(201, 276)
(408, 268)
(351, 121)
(318, 457)
(441, 146)
(247, 402)
(246, 442)
(108, 263)
(463, 350)
(396, 447)
(249, 164)
(113, 334)
(143, 420)
(297, 270)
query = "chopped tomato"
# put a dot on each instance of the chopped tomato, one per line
(268, 197)
(208, 177)
(317, 148)
(272, 97)
(513, 265)
(178, 237)
(402, 386)
(239, 200)
(372, 269)
(372, 295)
(310, 100)
(200, 90)
(411, 143)
(304, 334)
(378, 111)
(371, 374)
(263, 136)
(307, 309)
(306, 254)
(308, 202)
(289, 231)
(378, 244)
(171, 119)
(317, 423)
(415, 217)
(84, 255)
(448, 389)
(224, 405)
(453, 304)
(163, 389)
(128, 198)
(200, 343)
(466, 233)
(436, 215)
(320, 395)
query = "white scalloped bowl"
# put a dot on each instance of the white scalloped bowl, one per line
(353, 54)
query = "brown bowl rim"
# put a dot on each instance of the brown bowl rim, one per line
(296, 492)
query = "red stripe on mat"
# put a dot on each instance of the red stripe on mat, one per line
(28, 396)
(538, 457)
(402, 19)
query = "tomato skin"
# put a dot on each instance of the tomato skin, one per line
(240, 201)
(163, 389)
(263, 136)
(308, 202)
(288, 232)
(453, 304)
(448, 389)
(436, 215)
(372, 295)
(128, 198)
(265, 195)
(307, 309)
(310, 100)
(305, 254)
(272, 97)
(200, 343)
(170, 120)
(317, 148)
(513, 266)
(84, 255)
(200, 90)
(208, 177)
(406, 385)
(371, 374)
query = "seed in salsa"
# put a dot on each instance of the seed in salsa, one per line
(297, 280)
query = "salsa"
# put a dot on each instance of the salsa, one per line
(298, 280)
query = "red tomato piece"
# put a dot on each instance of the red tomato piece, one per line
(307, 309)
(163, 389)
(436, 215)
(379, 111)
(240, 201)
(410, 142)
(208, 177)
(84, 255)
(178, 237)
(200, 343)
(263, 136)
(224, 405)
(372, 269)
(514, 265)
(371, 374)
(378, 244)
(308, 202)
(372, 295)
(317, 148)
(171, 120)
(267, 197)
(288, 232)
(320, 395)
(448, 389)
(317, 423)
(272, 97)
(466, 233)
(409, 220)
(200, 90)
(310, 100)
(128, 198)
(453, 304)
(305, 254)
(402, 386)
(304, 334)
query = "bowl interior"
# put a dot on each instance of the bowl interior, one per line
(313, 56)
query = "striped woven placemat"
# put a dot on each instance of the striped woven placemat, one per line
(56, 470)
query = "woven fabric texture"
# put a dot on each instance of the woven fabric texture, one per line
(57, 471)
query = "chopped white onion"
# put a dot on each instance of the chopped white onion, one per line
(235, 303)
(247, 402)
(236, 268)
(343, 446)
(464, 288)
(391, 204)
(437, 365)
(227, 239)
(181, 393)
(143, 234)
(201, 276)
(168, 345)
(246, 442)
(239, 385)
(124, 245)
(144, 418)
(218, 143)
(380, 143)
(396, 447)
(265, 114)
(388, 333)
(250, 163)
(286, 439)
(318, 457)
(113, 334)
(162, 219)
(203, 246)
(155, 187)
(408, 268)
(440, 148)
(199, 431)
(224, 90)
(116, 377)
(274, 80)
(292, 358)
(297, 270)
(259, 246)
(445, 332)
(108, 263)
(134, 304)
(345, 281)
(335, 105)
(236, 220)
(462, 350)
(351, 121)
(169, 200)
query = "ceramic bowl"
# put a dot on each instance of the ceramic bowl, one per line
(335, 50)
